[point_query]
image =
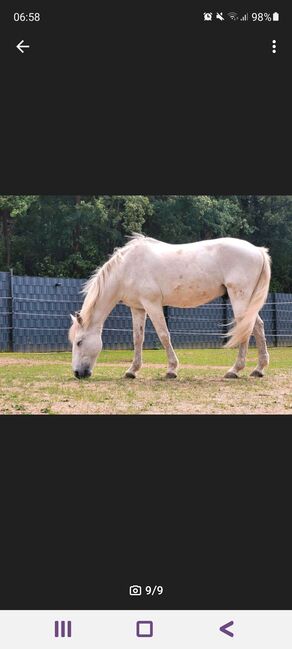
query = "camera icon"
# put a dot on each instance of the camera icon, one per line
(135, 590)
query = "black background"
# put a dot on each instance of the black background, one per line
(116, 101)
(132, 101)
(202, 508)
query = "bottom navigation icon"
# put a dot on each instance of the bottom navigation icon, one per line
(224, 629)
(144, 629)
(62, 630)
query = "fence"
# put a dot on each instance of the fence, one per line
(35, 316)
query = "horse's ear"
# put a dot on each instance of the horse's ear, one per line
(79, 319)
(72, 318)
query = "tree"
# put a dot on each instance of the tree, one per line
(270, 220)
(193, 218)
(10, 206)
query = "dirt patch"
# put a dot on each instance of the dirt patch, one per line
(28, 361)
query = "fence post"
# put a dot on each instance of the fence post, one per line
(10, 320)
(275, 323)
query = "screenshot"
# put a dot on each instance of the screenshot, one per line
(145, 326)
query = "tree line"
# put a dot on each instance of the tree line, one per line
(69, 236)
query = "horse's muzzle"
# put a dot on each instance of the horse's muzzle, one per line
(82, 374)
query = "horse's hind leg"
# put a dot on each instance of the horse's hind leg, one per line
(156, 315)
(239, 363)
(259, 334)
(139, 318)
(239, 305)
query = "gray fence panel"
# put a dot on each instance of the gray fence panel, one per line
(283, 318)
(199, 327)
(41, 308)
(41, 312)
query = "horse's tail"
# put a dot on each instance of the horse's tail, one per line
(243, 328)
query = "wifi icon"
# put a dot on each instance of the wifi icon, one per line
(233, 15)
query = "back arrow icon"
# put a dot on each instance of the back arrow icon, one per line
(20, 46)
(225, 627)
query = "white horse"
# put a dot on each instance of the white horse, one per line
(147, 274)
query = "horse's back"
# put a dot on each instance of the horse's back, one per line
(155, 253)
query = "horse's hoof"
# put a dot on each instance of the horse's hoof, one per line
(257, 373)
(171, 375)
(130, 375)
(231, 375)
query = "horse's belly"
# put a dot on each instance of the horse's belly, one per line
(190, 296)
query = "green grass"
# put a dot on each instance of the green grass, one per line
(279, 357)
(33, 383)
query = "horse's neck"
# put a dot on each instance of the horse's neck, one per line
(105, 303)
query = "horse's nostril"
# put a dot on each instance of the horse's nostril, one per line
(83, 374)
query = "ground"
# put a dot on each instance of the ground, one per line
(44, 384)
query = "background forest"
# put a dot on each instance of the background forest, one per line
(69, 236)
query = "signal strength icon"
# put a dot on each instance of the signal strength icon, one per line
(233, 15)
(245, 17)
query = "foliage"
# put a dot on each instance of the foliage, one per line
(69, 236)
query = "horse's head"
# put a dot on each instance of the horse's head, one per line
(86, 346)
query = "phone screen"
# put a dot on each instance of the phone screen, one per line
(145, 327)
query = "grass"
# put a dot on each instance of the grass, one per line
(34, 383)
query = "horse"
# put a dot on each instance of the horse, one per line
(147, 274)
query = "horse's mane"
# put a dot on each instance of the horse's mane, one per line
(94, 287)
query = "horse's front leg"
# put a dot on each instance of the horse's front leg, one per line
(139, 318)
(156, 315)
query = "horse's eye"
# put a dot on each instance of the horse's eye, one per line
(79, 343)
